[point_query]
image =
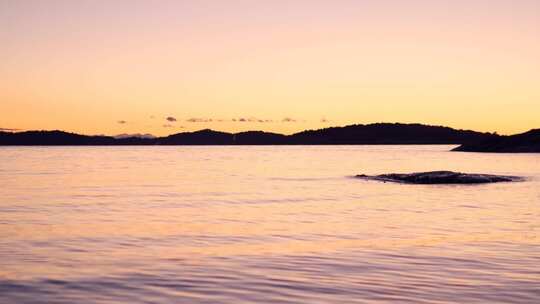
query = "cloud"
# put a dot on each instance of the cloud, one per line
(288, 119)
(170, 119)
(122, 122)
(324, 120)
(199, 120)
(8, 130)
(172, 126)
(252, 119)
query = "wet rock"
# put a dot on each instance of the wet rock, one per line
(440, 177)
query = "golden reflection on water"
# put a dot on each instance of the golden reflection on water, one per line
(90, 211)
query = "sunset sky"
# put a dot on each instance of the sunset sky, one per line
(110, 67)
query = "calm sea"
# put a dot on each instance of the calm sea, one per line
(264, 225)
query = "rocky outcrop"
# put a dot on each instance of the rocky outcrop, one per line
(440, 177)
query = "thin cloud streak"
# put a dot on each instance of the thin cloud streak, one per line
(288, 119)
(172, 126)
(195, 120)
(251, 119)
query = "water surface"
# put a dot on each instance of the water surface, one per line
(264, 225)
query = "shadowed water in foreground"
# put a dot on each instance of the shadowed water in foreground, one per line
(402, 276)
(264, 225)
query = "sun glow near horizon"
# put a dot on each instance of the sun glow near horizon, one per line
(100, 67)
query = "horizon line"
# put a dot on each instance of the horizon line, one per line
(16, 130)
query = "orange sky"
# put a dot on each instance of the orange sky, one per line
(87, 66)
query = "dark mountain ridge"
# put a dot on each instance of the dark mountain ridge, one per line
(527, 142)
(202, 137)
(386, 133)
(53, 138)
(379, 133)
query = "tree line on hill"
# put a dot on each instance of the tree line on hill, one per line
(372, 134)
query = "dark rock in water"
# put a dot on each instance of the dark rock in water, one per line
(440, 177)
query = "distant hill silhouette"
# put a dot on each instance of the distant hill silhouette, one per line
(259, 138)
(379, 133)
(385, 133)
(202, 137)
(52, 138)
(525, 142)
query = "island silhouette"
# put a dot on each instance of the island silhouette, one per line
(527, 142)
(358, 134)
